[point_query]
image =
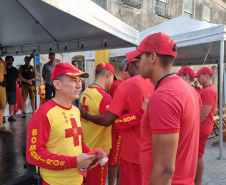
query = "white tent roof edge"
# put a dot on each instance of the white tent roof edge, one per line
(93, 14)
(205, 33)
(201, 36)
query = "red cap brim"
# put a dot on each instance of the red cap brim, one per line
(133, 54)
(81, 74)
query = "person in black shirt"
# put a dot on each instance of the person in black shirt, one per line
(28, 77)
(11, 78)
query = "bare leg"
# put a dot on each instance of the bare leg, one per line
(24, 106)
(118, 175)
(11, 110)
(33, 105)
(199, 172)
(112, 173)
(1, 117)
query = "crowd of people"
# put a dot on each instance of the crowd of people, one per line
(145, 125)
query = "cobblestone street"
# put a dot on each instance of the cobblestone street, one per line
(214, 170)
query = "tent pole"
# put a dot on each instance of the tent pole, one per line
(35, 68)
(221, 66)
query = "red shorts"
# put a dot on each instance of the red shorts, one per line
(42, 101)
(130, 173)
(45, 183)
(115, 152)
(18, 105)
(202, 144)
(97, 175)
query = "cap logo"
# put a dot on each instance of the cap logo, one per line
(170, 40)
(103, 63)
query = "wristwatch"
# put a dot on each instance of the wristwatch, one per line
(84, 116)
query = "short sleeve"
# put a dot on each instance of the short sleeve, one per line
(104, 104)
(20, 70)
(164, 113)
(44, 69)
(118, 103)
(207, 97)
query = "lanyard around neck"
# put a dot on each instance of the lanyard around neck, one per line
(158, 82)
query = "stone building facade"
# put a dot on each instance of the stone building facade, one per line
(143, 14)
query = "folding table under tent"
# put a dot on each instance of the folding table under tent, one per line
(60, 26)
(198, 42)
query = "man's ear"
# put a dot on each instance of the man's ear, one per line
(152, 58)
(108, 74)
(57, 84)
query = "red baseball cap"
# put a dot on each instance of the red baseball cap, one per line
(187, 70)
(107, 66)
(158, 42)
(131, 60)
(67, 69)
(204, 70)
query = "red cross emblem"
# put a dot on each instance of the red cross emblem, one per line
(74, 132)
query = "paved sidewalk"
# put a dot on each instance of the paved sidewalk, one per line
(214, 170)
(28, 110)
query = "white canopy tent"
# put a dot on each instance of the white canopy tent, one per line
(197, 42)
(190, 35)
(60, 26)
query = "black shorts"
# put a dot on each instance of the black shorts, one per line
(11, 98)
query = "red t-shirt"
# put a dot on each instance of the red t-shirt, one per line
(173, 108)
(198, 88)
(128, 97)
(114, 86)
(209, 97)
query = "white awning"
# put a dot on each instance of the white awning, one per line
(193, 38)
(60, 26)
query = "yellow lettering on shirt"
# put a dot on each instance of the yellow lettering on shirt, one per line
(33, 140)
(56, 163)
(33, 147)
(62, 163)
(49, 161)
(33, 153)
(37, 157)
(34, 132)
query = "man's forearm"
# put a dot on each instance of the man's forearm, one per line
(161, 178)
(22, 79)
(99, 120)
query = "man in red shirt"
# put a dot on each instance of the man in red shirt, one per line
(169, 135)
(117, 134)
(128, 97)
(187, 74)
(122, 76)
(209, 101)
